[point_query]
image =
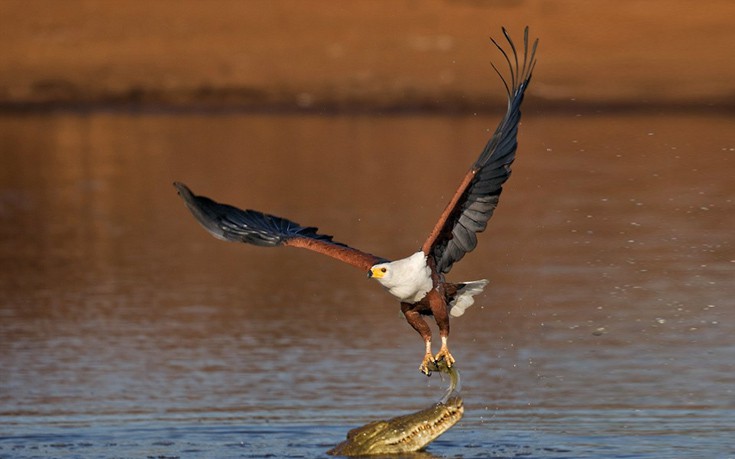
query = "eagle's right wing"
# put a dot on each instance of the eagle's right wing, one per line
(252, 227)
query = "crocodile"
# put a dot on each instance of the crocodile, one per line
(409, 432)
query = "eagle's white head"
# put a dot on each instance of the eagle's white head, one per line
(408, 279)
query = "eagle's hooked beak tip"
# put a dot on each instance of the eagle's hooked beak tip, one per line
(370, 273)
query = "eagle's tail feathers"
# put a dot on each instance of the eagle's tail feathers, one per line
(463, 299)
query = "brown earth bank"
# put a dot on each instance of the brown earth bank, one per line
(381, 54)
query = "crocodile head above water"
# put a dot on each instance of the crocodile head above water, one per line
(402, 434)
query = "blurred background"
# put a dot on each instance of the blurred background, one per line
(363, 54)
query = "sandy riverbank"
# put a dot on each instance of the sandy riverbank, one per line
(362, 55)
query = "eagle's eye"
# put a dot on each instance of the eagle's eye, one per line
(383, 270)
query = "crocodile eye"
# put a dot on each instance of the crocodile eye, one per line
(382, 270)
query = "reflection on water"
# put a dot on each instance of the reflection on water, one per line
(126, 330)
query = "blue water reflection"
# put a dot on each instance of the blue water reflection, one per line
(125, 330)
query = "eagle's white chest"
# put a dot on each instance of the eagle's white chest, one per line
(408, 279)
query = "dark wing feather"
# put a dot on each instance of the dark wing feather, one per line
(474, 202)
(252, 227)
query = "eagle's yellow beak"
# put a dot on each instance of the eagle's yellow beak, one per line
(376, 273)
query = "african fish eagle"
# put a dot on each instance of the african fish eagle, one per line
(418, 281)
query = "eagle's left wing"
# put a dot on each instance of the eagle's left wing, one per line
(477, 196)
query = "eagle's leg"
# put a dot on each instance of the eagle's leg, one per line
(413, 317)
(444, 354)
(440, 312)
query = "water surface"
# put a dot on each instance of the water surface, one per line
(127, 331)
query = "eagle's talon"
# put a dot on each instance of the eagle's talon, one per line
(444, 354)
(427, 364)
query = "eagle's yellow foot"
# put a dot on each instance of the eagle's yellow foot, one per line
(427, 364)
(444, 354)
